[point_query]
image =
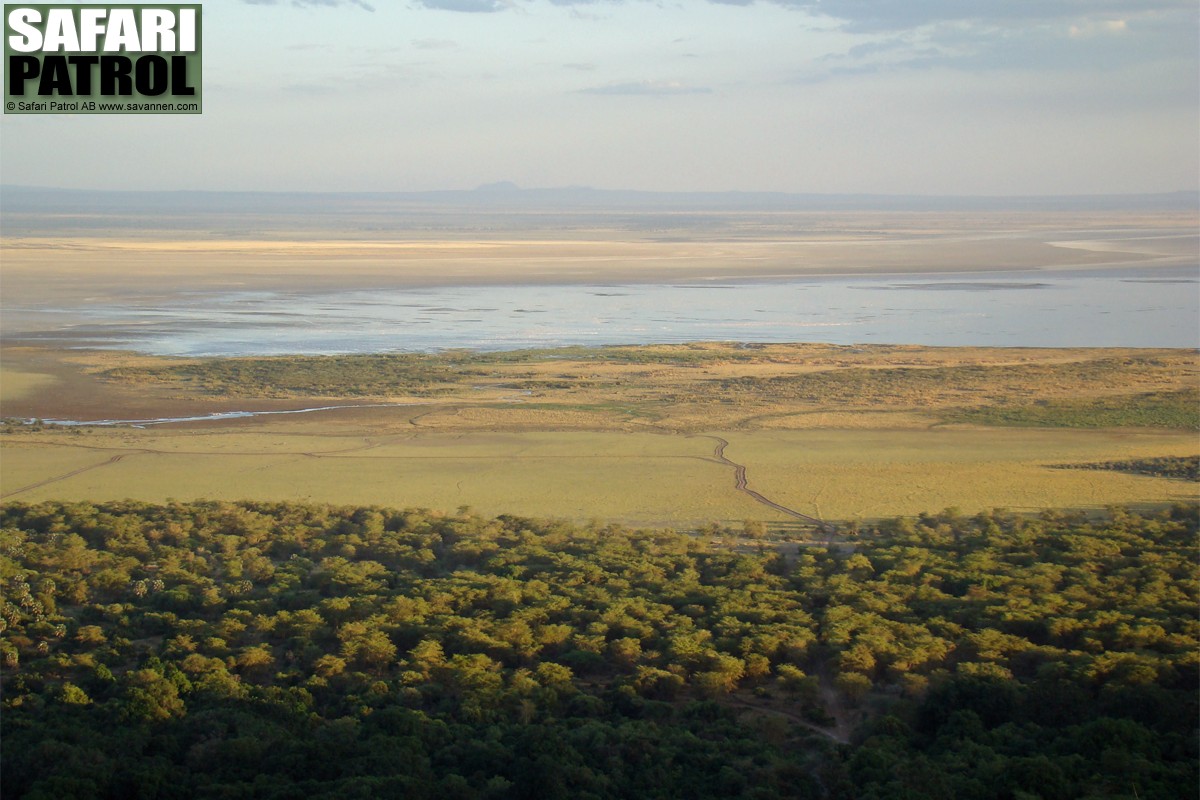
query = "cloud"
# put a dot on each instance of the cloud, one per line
(899, 15)
(865, 16)
(434, 44)
(869, 49)
(313, 3)
(1101, 28)
(1056, 35)
(466, 6)
(647, 88)
(311, 89)
(880, 15)
(888, 35)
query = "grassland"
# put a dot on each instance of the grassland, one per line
(620, 433)
(849, 474)
(1179, 409)
(642, 478)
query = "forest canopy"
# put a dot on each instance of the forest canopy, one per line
(271, 650)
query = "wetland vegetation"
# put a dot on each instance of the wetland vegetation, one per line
(1052, 388)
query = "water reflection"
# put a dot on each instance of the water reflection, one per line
(1143, 308)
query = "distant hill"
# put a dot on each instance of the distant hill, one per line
(505, 194)
(504, 206)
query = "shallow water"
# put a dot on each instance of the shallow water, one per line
(1103, 308)
(213, 417)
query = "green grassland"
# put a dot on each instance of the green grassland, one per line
(1179, 409)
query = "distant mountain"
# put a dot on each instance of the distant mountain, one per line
(500, 186)
(25, 209)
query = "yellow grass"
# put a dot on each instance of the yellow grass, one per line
(644, 478)
(846, 474)
(24, 464)
(639, 478)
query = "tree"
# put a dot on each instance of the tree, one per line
(853, 685)
(151, 697)
(754, 529)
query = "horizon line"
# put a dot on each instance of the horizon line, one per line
(508, 188)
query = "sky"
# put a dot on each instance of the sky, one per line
(925, 97)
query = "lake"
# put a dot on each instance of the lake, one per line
(1146, 307)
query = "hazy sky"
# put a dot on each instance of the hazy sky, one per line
(881, 96)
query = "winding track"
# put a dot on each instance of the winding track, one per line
(739, 476)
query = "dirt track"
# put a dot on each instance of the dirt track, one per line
(73, 473)
(739, 473)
